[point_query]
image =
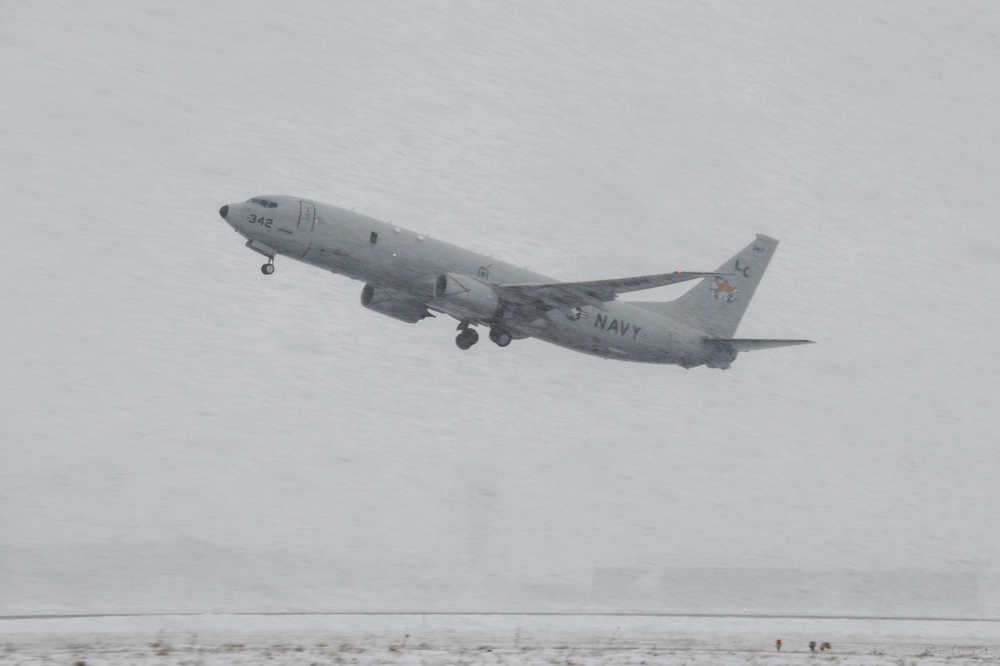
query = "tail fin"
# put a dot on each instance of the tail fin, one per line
(716, 305)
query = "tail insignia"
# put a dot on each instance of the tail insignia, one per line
(723, 290)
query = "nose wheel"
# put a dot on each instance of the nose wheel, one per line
(267, 268)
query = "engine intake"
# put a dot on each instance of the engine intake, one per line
(465, 297)
(398, 306)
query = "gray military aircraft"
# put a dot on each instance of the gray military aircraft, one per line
(408, 275)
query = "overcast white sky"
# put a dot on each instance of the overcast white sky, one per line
(179, 431)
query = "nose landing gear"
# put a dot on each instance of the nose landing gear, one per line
(268, 268)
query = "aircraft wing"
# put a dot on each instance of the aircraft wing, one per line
(569, 295)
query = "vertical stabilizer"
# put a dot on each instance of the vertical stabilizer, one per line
(716, 305)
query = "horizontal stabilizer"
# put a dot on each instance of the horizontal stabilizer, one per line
(746, 344)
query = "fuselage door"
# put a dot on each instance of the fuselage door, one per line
(307, 217)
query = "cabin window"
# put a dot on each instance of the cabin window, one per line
(373, 238)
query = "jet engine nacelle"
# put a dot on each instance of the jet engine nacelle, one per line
(398, 306)
(466, 297)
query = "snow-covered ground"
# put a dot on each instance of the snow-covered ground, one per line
(492, 639)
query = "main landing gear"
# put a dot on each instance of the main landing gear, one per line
(468, 336)
(268, 268)
(500, 337)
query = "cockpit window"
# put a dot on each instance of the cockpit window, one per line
(264, 202)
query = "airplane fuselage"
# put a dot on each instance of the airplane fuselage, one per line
(401, 268)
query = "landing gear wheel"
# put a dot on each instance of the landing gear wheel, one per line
(267, 268)
(466, 338)
(500, 337)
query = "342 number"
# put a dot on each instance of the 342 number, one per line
(263, 221)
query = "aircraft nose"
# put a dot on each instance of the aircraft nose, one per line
(224, 211)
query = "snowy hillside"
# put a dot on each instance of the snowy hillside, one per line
(179, 432)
